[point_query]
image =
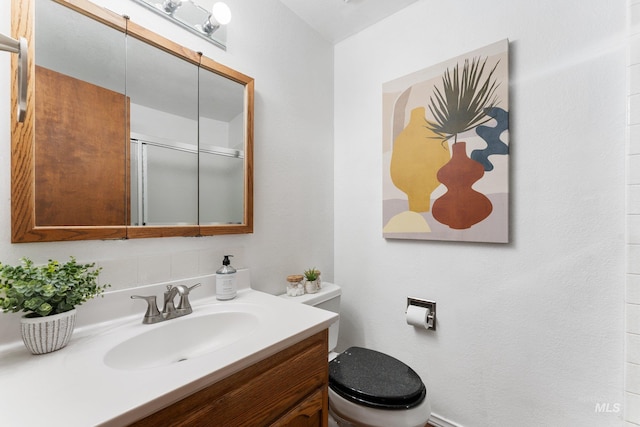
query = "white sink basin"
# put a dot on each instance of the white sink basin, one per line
(181, 339)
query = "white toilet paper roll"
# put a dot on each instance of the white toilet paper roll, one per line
(417, 316)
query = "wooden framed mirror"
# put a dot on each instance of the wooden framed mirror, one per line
(114, 145)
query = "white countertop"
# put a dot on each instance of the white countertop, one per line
(74, 387)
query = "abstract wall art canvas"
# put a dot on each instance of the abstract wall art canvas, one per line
(446, 150)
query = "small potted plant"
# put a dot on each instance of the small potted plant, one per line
(311, 280)
(48, 294)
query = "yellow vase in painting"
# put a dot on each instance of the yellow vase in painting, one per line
(418, 153)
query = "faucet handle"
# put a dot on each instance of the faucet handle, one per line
(152, 314)
(184, 306)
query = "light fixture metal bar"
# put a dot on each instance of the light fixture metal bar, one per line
(157, 8)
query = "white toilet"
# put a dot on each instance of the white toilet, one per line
(368, 388)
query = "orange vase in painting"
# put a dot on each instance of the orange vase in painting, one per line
(461, 206)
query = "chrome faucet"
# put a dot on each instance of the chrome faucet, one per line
(169, 310)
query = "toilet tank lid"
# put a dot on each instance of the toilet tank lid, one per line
(327, 292)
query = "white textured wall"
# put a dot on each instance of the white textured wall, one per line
(529, 333)
(293, 222)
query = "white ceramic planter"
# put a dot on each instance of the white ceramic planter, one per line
(50, 333)
(311, 286)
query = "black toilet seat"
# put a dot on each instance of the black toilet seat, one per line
(370, 378)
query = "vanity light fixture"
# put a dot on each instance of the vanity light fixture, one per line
(19, 46)
(220, 15)
(194, 16)
(170, 6)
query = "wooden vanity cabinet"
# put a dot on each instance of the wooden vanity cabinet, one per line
(288, 389)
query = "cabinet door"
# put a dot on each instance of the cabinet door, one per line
(309, 413)
(290, 385)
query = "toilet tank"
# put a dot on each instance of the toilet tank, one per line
(327, 298)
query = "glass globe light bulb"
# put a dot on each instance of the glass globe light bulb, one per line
(221, 13)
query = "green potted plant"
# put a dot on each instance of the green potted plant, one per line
(311, 280)
(48, 294)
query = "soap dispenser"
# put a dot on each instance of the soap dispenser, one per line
(226, 280)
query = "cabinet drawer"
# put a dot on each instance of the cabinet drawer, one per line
(257, 395)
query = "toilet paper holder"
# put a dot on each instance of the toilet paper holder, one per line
(430, 305)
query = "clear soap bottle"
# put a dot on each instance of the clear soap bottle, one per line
(226, 288)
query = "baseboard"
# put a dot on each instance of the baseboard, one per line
(438, 421)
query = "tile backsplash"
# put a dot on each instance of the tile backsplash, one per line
(131, 272)
(632, 298)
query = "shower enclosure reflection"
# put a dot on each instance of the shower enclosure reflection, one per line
(161, 183)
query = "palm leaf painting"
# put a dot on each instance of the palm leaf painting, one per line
(445, 146)
(462, 103)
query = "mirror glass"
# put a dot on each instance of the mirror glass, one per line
(221, 151)
(133, 135)
(163, 92)
(80, 153)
